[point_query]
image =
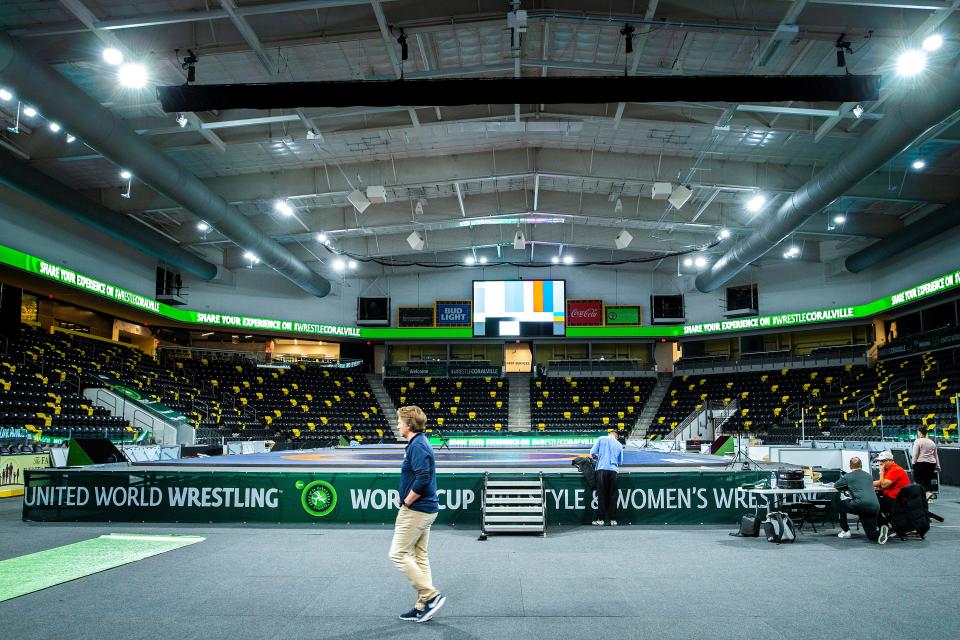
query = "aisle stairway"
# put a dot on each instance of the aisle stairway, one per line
(386, 403)
(650, 408)
(519, 407)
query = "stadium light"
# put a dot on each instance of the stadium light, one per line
(470, 261)
(251, 257)
(700, 262)
(792, 252)
(203, 226)
(126, 175)
(29, 111)
(283, 208)
(5, 95)
(112, 56)
(911, 62)
(568, 259)
(724, 234)
(133, 76)
(483, 260)
(322, 238)
(71, 138)
(688, 262)
(339, 264)
(919, 164)
(352, 264)
(932, 43)
(840, 219)
(756, 203)
(555, 259)
(54, 126)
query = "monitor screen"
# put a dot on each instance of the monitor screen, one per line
(518, 308)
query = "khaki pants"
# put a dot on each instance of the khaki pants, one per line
(408, 551)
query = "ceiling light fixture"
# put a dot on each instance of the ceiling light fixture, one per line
(756, 203)
(700, 262)
(54, 126)
(483, 259)
(857, 111)
(918, 164)
(618, 207)
(688, 262)
(5, 95)
(322, 238)
(839, 219)
(251, 257)
(71, 138)
(126, 175)
(418, 208)
(555, 259)
(568, 259)
(339, 264)
(203, 226)
(724, 234)
(112, 56)
(352, 264)
(133, 76)
(470, 261)
(283, 207)
(792, 252)
(182, 120)
(911, 62)
(29, 111)
(932, 43)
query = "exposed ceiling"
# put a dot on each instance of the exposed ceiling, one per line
(556, 170)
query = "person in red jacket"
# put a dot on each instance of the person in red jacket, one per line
(892, 479)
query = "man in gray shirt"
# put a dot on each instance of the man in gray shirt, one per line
(863, 503)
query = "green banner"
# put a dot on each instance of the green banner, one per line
(49, 270)
(57, 495)
(621, 315)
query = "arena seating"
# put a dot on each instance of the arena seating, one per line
(455, 404)
(588, 404)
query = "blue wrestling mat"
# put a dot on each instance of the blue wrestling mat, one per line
(380, 456)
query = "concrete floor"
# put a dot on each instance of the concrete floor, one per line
(335, 582)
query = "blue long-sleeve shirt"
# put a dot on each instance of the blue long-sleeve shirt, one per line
(609, 454)
(419, 474)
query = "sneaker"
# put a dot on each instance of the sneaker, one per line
(843, 534)
(432, 607)
(613, 523)
(598, 523)
(411, 615)
(884, 532)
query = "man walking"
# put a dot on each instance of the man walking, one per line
(863, 503)
(418, 510)
(608, 452)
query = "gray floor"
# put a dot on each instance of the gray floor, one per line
(630, 582)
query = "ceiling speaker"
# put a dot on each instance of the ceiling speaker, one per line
(661, 190)
(416, 241)
(377, 194)
(623, 239)
(680, 196)
(358, 200)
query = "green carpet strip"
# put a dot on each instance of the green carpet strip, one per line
(36, 571)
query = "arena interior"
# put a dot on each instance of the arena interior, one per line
(237, 236)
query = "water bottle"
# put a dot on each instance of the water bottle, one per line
(773, 479)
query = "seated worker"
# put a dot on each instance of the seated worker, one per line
(863, 503)
(892, 479)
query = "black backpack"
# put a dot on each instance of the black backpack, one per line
(749, 526)
(909, 512)
(587, 469)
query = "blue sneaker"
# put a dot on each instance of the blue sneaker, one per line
(411, 615)
(432, 607)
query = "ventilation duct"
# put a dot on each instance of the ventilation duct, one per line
(925, 229)
(25, 179)
(61, 100)
(905, 120)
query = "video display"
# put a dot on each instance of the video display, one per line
(519, 308)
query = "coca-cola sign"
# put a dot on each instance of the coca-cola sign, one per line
(584, 313)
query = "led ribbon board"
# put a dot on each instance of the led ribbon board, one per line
(51, 271)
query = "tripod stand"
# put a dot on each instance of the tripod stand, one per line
(739, 457)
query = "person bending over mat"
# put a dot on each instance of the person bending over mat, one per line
(418, 510)
(608, 452)
(863, 503)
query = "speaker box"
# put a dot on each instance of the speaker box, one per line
(680, 196)
(358, 200)
(661, 190)
(416, 241)
(623, 239)
(86, 451)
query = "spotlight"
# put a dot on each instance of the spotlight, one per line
(251, 257)
(700, 262)
(322, 238)
(724, 234)
(911, 62)
(283, 208)
(133, 76)
(182, 120)
(352, 264)
(932, 43)
(112, 56)
(918, 164)
(857, 111)
(756, 203)
(54, 126)
(839, 219)
(688, 262)
(418, 208)
(203, 226)
(483, 259)
(555, 259)
(470, 261)
(29, 111)
(339, 264)
(70, 138)
(567, 259)
(627, 33)
(5, 95)
(792, 252)
(519, 242)
(126, 175)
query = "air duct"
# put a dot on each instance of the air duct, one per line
(25, 179)
(929, 227)
(61, 100)
(907, 118)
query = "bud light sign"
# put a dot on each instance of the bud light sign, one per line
(453, 313)
(584, 313)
